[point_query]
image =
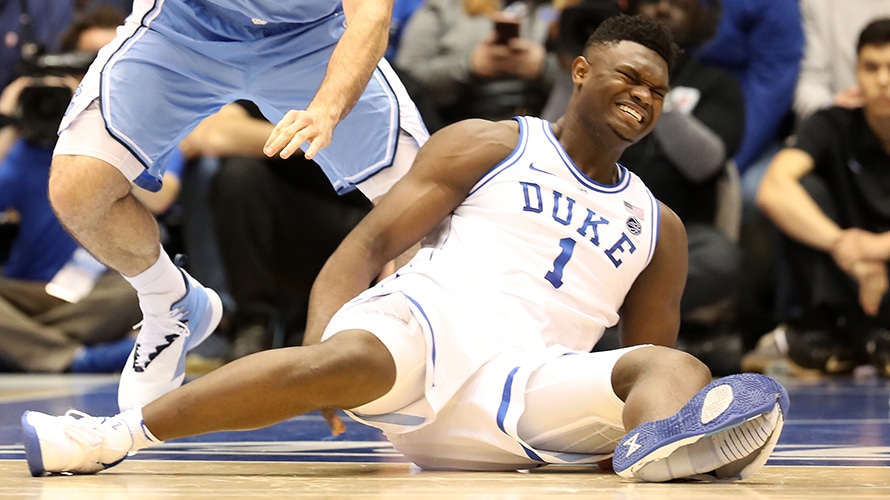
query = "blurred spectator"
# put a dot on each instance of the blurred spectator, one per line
(828, 71)
(402, 10)
(761, 42)
(829, 194)
(41, 25)
(451, 48)
(60, 310)
(576, 23)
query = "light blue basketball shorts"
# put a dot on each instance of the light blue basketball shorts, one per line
(173, 64)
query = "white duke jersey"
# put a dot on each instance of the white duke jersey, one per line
(537, 256)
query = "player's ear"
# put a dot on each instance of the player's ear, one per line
(580, 69)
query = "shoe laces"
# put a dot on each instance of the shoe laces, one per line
(160, 329)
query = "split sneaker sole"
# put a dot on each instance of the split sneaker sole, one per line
(74, 443)
(156, 364)
(726, 431)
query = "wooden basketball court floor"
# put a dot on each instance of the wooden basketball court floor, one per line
(836, 444)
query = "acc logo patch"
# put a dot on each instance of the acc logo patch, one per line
(634, 226)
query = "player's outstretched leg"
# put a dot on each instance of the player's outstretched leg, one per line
(727, 431)
(156, 365)
(75, 443)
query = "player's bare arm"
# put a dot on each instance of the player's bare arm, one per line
(445, 170)
(352, 63)
(651, 310)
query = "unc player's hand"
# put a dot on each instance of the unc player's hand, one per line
(314, 125)
(337, 426)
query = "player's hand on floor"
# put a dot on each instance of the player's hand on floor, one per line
(334, 422)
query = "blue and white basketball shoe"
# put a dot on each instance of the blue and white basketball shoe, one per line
(726, 431)
(74, 443)
(156, 365)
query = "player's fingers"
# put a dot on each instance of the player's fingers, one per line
(317, 144)
(282, 132)
(295, 142)
(870, 302)
(334, 422)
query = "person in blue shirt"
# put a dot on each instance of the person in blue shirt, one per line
(761, 42)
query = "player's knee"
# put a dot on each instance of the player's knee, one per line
(361, 362)
(82, 187)
(657, 362)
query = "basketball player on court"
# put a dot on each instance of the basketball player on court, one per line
(475, 355)
(176, 62)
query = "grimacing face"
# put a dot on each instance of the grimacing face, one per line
(873, 75)
(623, 85)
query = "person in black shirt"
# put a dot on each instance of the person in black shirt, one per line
(829, 195)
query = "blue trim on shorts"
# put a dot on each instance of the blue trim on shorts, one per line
(144, 180)
(429, 325)
(502, 413)
(352, 183)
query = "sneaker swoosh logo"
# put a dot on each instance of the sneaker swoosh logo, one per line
(532, 166)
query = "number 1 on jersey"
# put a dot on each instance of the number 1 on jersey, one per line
(555, 276)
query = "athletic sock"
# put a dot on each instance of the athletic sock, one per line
(142, 437)
(159, 286)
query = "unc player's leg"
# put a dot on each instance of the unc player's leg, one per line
(90, 188)
(122, 135)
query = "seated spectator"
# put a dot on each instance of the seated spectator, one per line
(828, 194)
(761, 43)
(59, 308)
(827, 72)
(451, 48)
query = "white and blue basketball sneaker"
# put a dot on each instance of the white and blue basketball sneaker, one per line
(726, 431)
(156, 364)
(74, 443)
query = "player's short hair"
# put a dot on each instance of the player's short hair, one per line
(876, 33)
(638, 29)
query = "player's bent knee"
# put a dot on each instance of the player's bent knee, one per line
(81, 185)
(659, 362)
(362, 362)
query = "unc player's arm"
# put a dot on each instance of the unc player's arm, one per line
(352, 63)
(445, 170)
(651, 310)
